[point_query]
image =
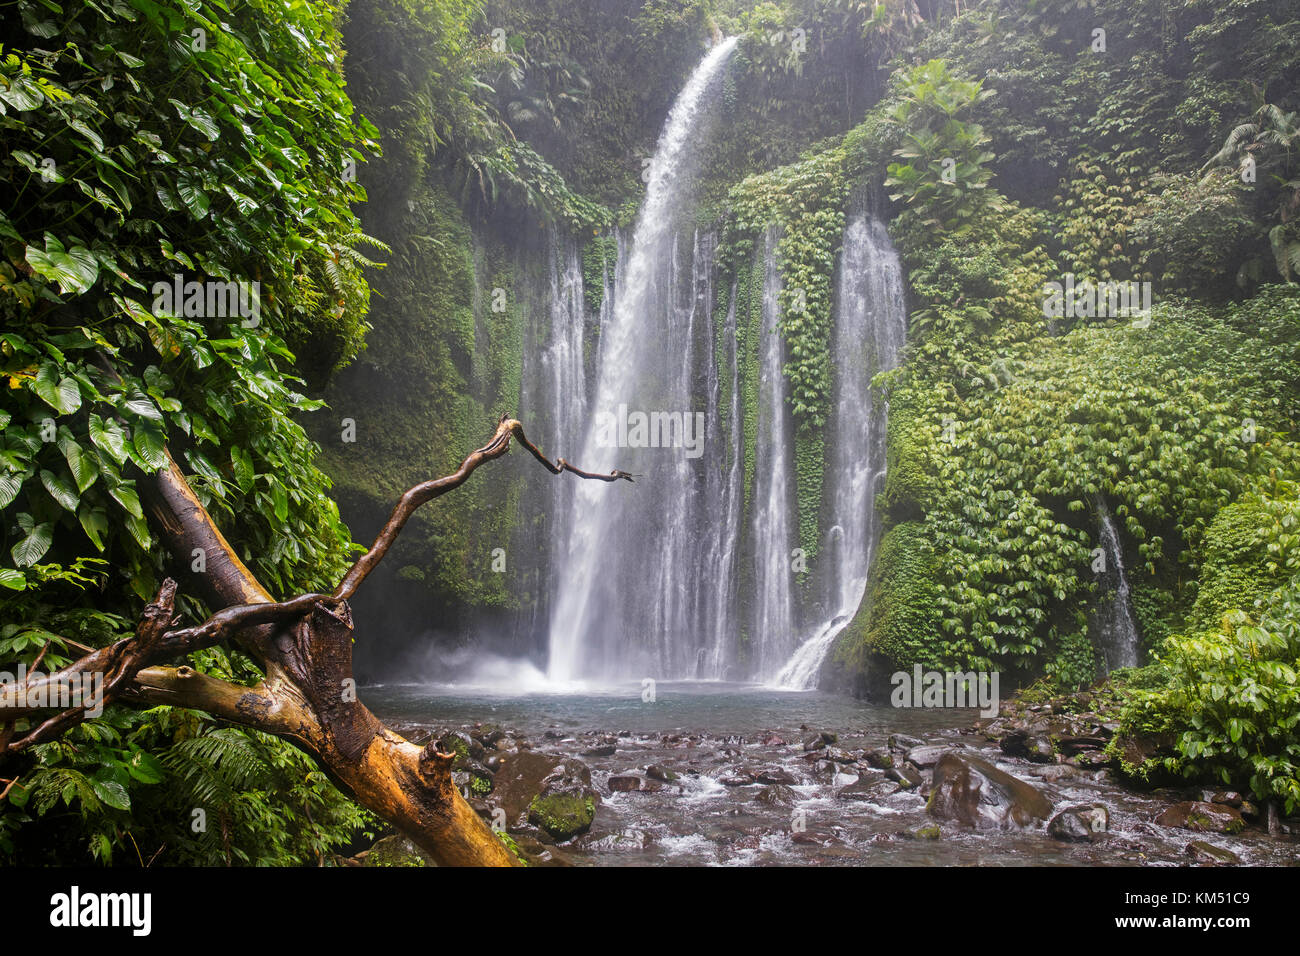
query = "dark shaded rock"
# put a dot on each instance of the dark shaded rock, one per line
(775, 796)
(1201, 817)
(1084, 823)
(1028, 746)
(600, 750)
(660, 773)
(519, 779)
(867, 787)
(1229, 798)
(975, 793)
(1207, 854)
(814, 742)
(775, 775)
(878, 759)
(907, 775)
(465, 747)
(1071, 745)
(904, 742)
(488, 735)
(624, 783)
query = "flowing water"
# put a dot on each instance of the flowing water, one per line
(870, 325)
(774, 626)
(691, 574)
(627, 589)
(707, 732)
(1116, 628)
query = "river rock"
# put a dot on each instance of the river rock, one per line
(908, 776)
(566, 806)
(1028, 746)
(736, 778)
(904, 742)
(1084, 823)
(878, 759)
(600, 750)
(775, 796)
(927, 756)
(1201, 817)
(775, 775)
(814, 742)
(975, 793)
(523, 776)
(1207, 854)
(1229, 798)
(868, 787)
(660, 773)
(624, 783)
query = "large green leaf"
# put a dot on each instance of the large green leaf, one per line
(60, 490)
(109, 437)
(33, 547)
(75, 269)
(151, 445)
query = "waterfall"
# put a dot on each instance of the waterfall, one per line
(628, 600)
(773, 634)
(870, 326)
(1117, 632)
(726, 487)
(564, 378)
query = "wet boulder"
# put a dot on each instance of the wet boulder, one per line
(775, 775)
(1085, 823)
(927, 756)
(566, 805)
(1201, 817)
(1207, 854)
(973, 792)
(775, 796)
(521, 777)
(1021, 743)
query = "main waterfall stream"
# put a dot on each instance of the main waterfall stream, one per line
(689, 574)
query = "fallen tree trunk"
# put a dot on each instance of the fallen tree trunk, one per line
(304, 645)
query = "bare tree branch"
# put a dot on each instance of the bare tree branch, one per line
(305, 647)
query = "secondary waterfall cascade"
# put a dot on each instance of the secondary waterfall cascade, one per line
(774, 502)
(870, 327)
(688, 574)
(1116, 628)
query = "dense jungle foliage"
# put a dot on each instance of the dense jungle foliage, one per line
(286, 147)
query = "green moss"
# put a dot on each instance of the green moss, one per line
(898, 617)
(562, 815)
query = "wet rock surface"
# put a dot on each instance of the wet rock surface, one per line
(858, 792)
